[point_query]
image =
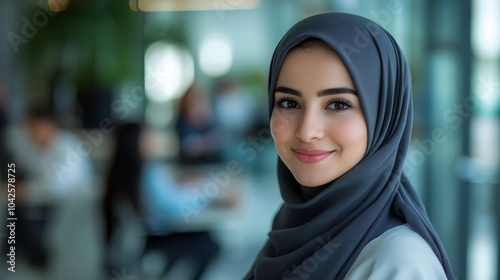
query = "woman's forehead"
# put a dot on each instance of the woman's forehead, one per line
(316, 69)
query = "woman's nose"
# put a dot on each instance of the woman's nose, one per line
(310, 127)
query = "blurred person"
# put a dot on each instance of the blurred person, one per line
(55, 164)
(122, 226)
(201, 140)
(234, 112)
(150, 199)
(55, 184)
(340, 114)
(163, 198)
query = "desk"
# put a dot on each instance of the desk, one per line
(212, 197)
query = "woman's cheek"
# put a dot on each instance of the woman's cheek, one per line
(351, 131)
(279, 125)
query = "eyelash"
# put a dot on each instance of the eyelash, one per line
(341, 101)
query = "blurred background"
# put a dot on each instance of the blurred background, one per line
(138, 131)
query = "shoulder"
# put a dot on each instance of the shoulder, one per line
(69, 139)
(399, 253)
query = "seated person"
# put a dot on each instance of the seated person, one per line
(54, 176)
(201, 140)
(147, 187)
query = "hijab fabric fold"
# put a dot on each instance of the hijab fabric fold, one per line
(321, 237)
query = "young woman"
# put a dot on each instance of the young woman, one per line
(341, 115)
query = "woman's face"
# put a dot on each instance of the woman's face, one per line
(317, 122)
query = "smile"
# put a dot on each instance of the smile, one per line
(311, 156)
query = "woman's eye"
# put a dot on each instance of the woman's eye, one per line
(339, 105)
(288, 104)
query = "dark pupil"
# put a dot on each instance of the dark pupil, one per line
(291, 104)
(339, 106)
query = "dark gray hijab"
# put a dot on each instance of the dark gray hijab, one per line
(321, 237)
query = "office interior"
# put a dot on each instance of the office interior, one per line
(99, 65)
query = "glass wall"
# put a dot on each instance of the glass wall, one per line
(98, 65)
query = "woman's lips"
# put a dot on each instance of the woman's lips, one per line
(311, 156)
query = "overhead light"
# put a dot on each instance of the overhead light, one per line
(485, 22)
(215, 57)
(169, 71)
(191, 5)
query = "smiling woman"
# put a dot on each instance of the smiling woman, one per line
(341, 121)
(326, 133)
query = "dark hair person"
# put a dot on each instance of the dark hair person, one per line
(341, 116)
(124, 175)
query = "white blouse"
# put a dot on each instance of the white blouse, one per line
(399, 253)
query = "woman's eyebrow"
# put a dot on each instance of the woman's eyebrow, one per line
(339, 90)
(323, 92)
(288, 90)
